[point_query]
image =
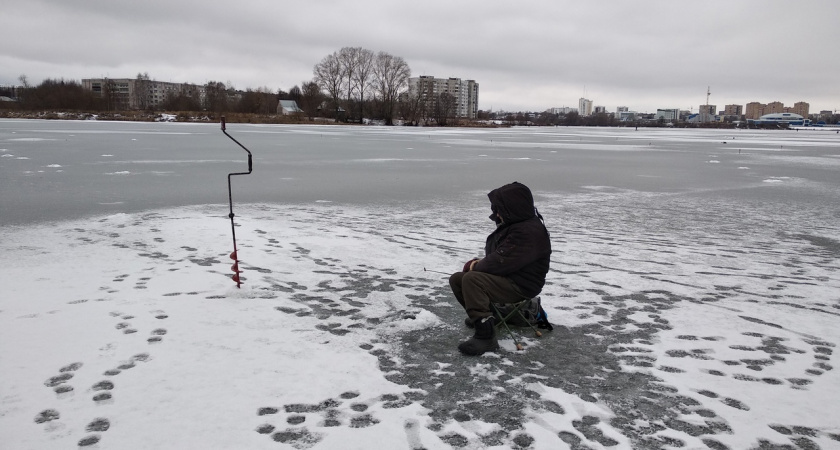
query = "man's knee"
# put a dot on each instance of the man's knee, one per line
(456, 280)
(473, 278)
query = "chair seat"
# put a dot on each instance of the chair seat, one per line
(511, 315)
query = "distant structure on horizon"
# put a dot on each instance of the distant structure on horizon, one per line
(584, 107)
(780, 118)
(755, 109)
(668, 114)
(733, 110)
(706, 113)
(139, 93)
(563, 110)
(429, 89)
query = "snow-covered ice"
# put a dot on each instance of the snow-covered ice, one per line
(696, 318)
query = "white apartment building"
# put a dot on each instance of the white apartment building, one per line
(465, 92)
(585, 107)
(563, 110)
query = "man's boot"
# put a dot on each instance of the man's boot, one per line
(484, 339)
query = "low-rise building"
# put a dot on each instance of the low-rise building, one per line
(562, 110)
(288, 108)
(783, 119)
(667, 114)
(626, 116)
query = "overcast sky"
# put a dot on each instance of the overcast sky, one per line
(525, 55)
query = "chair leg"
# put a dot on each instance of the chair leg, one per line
(524, 319)
(504, 319)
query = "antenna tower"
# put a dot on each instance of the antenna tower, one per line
(708, 93)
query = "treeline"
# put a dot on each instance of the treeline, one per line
(53, 95)
(348, 85)
(70, 95)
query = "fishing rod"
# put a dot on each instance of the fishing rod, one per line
(436, 271)
(235, 255)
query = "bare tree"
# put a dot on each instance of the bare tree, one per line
(390, 75)
(329, 77)
(348, 58)
(363, 76)
(24, 91)
(444, 107)
(142, 91)
(411, 107)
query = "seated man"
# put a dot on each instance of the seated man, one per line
(513, 269)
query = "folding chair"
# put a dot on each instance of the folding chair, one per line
(516, 313)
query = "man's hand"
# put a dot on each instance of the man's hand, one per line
(469, 265)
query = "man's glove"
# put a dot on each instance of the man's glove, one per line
(468, 264)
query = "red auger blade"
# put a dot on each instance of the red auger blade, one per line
(235, 268)
(233, 255)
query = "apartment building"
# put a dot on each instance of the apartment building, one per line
(585, 107)
(755, 109)
(562, 110)
(138, 93)
(668, 114)
(733, 110)
(774, 108)
(707, 113)
(429, 89)
(801, 108)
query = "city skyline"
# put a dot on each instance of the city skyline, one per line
(646, 55)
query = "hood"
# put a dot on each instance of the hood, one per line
(513, 202)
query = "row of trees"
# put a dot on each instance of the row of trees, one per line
(70, 95)
(55, 95)
(348, 75)
(350, 84)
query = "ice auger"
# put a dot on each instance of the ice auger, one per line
(235, 256)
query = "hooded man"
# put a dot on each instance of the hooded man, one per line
(515, 263)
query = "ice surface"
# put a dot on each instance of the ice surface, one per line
(695, 315)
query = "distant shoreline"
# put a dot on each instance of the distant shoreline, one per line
(275, 119)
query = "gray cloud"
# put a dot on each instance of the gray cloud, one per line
(526, 56)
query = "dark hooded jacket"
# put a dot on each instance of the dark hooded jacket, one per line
(519, 248)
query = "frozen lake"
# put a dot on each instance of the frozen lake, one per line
(694, 288)
(51, 170)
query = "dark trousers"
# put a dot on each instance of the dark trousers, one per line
(475, 290)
